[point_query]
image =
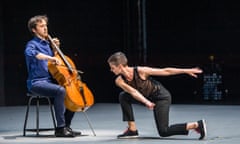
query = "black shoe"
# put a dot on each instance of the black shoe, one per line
(202, 129)
(128, 134)
(76, 133)
(63, 132)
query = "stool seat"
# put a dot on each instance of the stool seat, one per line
(37, 129)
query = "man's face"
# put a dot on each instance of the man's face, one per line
(41, 29)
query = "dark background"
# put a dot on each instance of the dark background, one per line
(178, 33)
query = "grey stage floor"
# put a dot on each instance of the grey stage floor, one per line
(222, 124)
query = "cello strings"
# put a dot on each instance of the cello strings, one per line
(79, 71)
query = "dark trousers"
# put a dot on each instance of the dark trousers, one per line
(161, 115)
(57, 92)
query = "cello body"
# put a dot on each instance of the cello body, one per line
(78, 96)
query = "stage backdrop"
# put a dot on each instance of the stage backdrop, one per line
(156, 33)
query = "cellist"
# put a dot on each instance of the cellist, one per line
(38, 53)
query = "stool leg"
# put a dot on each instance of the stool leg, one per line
(37, 116)
(26, 116)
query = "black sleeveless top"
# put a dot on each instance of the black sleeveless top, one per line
(149, 88)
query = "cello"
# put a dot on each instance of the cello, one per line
(78, 96)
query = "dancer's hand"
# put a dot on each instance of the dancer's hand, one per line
(150, 105)
(193, 72)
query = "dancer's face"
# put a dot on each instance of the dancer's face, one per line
(115, 69)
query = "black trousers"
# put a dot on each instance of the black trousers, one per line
(161, 114)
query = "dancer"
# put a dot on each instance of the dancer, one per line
(138, 85)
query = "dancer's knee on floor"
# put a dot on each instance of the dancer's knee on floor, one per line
(163, 133)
